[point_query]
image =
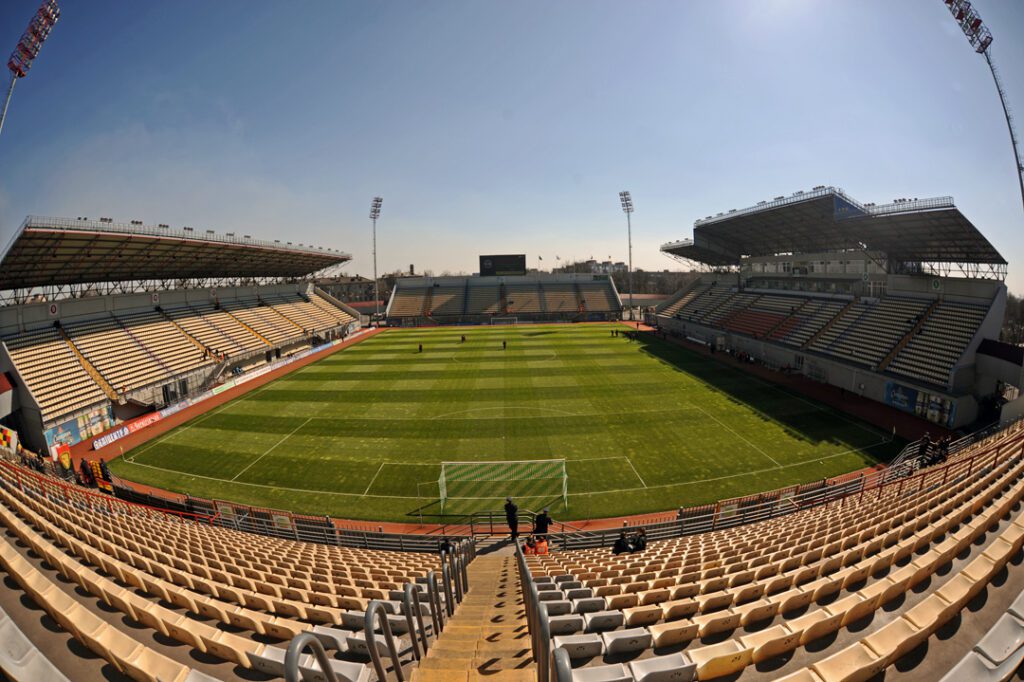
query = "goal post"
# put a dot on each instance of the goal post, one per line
(481, 484)
(512, 321)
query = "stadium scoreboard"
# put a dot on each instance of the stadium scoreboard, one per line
(495, 266)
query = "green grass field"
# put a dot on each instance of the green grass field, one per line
(644, 425)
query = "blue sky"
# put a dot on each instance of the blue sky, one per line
(495, 127)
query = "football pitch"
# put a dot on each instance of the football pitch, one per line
(644, 426)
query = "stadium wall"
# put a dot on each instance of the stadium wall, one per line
(857, 381)
(1012, 411)
(27, 415)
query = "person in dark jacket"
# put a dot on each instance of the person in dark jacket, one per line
(445, 546)
(87, 475)
(512, 517)
(924, 445)
(621, 545)
(639, 542)
(541, 524)
(104, 471)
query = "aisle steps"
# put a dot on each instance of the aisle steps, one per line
(487, 637)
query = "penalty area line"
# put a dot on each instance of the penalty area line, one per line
(733, 432)
(271, 449)
(635, 472)
(370, 484)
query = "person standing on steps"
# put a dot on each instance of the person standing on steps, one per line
(541, 524)
(512, 517)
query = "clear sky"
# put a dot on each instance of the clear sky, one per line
(504, 127)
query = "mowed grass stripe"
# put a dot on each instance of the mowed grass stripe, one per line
(595, 400)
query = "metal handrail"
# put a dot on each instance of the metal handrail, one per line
(490, 516)
(543, 634)
(295, 649)
(375, 610)
(449, 606)
(537, 623)
(464, 570)
(411, 602)
(456, 567)
(436, 614)
(563, 666)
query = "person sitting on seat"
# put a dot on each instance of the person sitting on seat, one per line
(639, 541)
(529, 547)
(541, 546)
(622, 545)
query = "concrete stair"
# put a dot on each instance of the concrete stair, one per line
(487, 637)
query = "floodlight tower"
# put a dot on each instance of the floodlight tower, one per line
(980, 39)
(627, 207)
(28, 47)
(374, 214)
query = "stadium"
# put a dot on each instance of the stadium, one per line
(224, 458)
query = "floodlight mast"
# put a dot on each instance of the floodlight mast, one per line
(28, 48)
(980, 38)
(374, 214)
(627, 207)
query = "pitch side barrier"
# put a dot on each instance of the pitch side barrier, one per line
(689, 521)
(910, 477)
(286, 525)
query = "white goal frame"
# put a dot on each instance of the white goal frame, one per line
(501, 471)
(507, 319)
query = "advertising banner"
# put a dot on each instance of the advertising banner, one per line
(66, 433)
(935, 408)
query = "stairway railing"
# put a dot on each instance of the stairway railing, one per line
(300, 643)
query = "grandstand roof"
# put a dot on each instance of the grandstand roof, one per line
(827, 219)
(58, 251)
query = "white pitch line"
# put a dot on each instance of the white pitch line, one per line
(370, 484)
(583, 494)
(272, 448)
(202, 418)
(637, 473)
(733, 432)
(728, 476)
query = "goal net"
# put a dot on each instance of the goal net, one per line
(505, 320)
(472, 486)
